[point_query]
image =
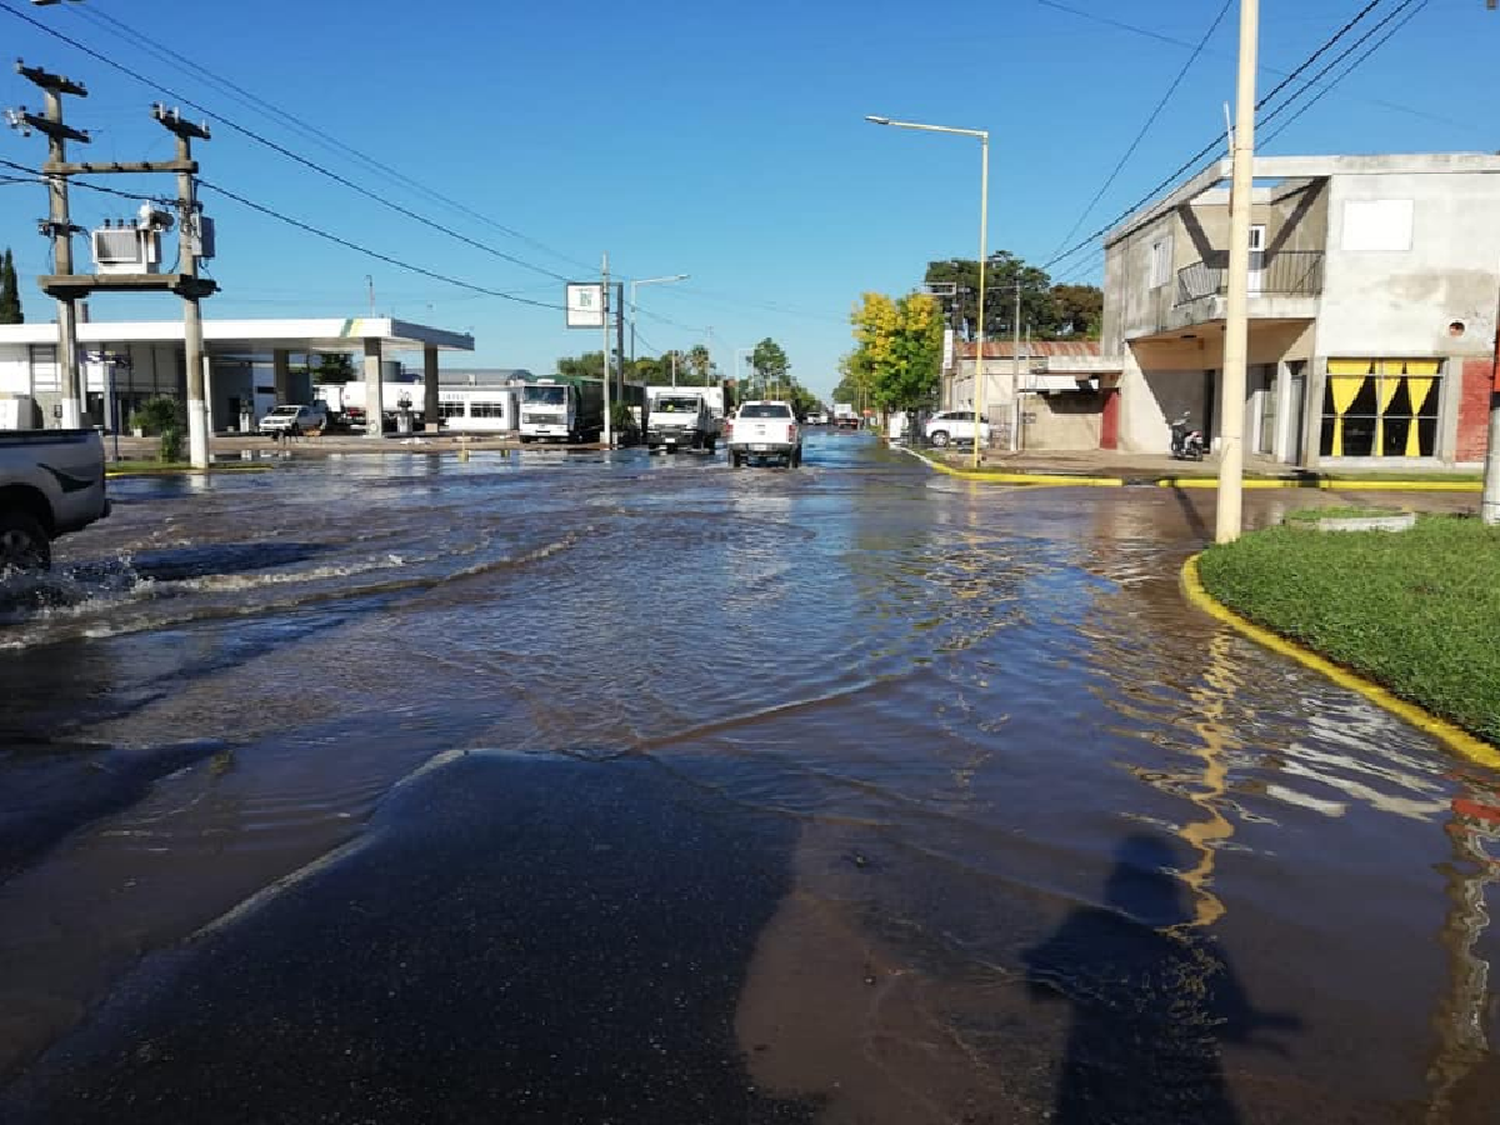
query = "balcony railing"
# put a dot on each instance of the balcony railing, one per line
(1286, 273)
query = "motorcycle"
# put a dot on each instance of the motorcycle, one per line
(1187, 443)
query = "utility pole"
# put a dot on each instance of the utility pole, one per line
(1015, 377)
(59, 225)
(190, 235)
(609, 431)
(1489, 502)
(1237, 323)
(620, 334)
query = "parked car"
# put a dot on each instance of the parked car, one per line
(51, 483)
(952, 426)
(766, 430)
(292, 420)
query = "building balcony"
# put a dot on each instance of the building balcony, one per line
(1287, 273)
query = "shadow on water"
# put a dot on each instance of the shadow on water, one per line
(1152, 1002)
(518, 938)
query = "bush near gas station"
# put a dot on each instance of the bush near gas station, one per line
(1416, 611)
(162, 416)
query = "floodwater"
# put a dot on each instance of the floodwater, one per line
(610, 788)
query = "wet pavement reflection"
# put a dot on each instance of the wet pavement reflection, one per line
(616, 788)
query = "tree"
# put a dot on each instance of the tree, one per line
(898, 351)
(770, 364)
(590, 365)
(335, 367)
(1079, 311)
(10, 292)
(1049, 311)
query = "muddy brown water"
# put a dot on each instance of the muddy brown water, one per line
(615, 788)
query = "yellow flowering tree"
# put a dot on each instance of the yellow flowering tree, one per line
(898, 349)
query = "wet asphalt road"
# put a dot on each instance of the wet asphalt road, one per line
(619, 789)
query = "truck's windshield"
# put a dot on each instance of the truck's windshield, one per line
(545, 396)
(766, 410)
(681, 404)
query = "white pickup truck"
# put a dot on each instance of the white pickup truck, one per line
(767, 430)
(51, 483)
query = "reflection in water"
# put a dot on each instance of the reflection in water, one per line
(1151, 1001)
(1463, 1046)
(1205, 835)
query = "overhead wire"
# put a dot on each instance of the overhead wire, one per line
(1151, 120)
(309, 228)
(1193, 160)
(274, 146)
(254, 101)
(1331, 85)
(1164, 38)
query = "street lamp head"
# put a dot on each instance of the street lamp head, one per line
(877, 120)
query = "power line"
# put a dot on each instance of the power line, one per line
(1193, 160)
(252, 100)
(1160, 37)
(397, 262)
(1321, 94)
(1150, 121)
(281, 149)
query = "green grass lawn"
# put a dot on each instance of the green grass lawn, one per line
(1417, 611)
(1338, 511)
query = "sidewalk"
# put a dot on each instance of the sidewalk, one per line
(1149, 468)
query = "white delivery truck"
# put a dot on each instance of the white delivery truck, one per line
(844, 416)
(566, 410)
(684, 417)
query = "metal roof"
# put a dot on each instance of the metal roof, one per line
(320, 335)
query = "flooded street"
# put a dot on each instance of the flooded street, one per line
(609, 788)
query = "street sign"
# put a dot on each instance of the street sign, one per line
(585, 304)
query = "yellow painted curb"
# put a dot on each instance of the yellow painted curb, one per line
(1474, 749)
(113, 474)
(1334, 485)
(1055, 480)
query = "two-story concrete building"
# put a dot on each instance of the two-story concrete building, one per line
(1374, 285)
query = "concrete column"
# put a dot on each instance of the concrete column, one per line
(1312, 421)
(374, 400)
(281, 371)
(430, 387)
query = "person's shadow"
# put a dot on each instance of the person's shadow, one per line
(1151, 1004)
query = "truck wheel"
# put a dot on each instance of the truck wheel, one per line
(24, 544)
(735, 460)
(796, 459)
(712, 444)
(940, 438)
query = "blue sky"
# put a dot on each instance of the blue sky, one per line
(723, 141)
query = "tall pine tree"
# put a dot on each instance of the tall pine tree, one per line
(10, 292)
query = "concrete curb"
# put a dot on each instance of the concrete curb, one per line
(1063, 480)
(1459, 740)
(118, 474)
(1334, 485)
(1055, 480)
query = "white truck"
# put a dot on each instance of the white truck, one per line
(766, 430)
(290, 420)
(844, 417)
(567, 410)
(51, 483)
(346, 402)
(684, 417)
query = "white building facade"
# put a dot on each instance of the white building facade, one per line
(1374, 287)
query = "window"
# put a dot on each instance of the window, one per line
(1161, 263)
(451, 409)
(1381, 408)
(766, 410)
(486, 410)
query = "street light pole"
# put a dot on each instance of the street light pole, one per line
(984, 223)
(646, 281)
(1228, 520)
